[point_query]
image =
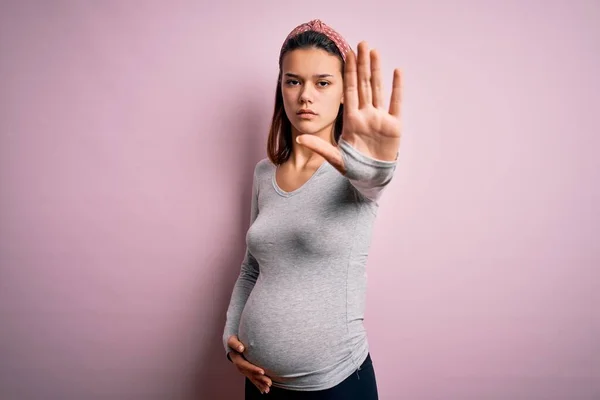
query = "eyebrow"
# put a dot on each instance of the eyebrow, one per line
(314, 76)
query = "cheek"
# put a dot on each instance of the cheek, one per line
(333, 104)
(289, 97)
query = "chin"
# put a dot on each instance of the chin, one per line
(314, 132)
(308, 127)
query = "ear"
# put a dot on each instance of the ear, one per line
(342, 100)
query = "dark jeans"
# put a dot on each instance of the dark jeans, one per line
(361, 385)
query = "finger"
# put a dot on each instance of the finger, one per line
(264, 380)
(326, 150)
(365, 97)
(235, 344)
(376, 81)
(250, 368)
(350, 85)
(260, 386)
(266, 385)
(396, 99)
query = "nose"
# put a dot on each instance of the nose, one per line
(306, 94)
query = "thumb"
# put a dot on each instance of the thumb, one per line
(325, 149)
(235, 344)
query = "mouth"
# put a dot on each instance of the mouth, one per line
(306, 112)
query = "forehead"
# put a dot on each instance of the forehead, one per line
(311, 61)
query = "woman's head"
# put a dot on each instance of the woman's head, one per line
(311, 66)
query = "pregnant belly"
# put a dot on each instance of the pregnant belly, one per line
(293, 338)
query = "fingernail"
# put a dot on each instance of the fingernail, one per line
(241, 348)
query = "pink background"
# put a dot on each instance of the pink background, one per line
(128, 135)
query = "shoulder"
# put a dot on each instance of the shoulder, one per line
(263, 167)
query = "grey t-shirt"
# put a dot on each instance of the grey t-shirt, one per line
(298, 303)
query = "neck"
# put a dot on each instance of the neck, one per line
(302, 156)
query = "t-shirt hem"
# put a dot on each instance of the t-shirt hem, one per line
(329, 384)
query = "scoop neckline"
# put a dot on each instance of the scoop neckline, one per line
(284, 193)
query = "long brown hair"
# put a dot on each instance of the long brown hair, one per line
(279, 143)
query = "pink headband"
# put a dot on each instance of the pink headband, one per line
(318, 26)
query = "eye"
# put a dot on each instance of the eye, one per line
(323, 83)
(291, 82)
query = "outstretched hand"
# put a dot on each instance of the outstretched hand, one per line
(368, 126)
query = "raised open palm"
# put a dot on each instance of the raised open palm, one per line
(368, 126)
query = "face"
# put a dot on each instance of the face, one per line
(312, 89)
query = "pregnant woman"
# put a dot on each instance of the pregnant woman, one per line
(294, 324)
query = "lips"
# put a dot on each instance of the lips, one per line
(306, 112)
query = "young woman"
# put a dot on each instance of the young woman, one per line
(294, 324)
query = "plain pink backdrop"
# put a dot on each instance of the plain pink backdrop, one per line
(128, 135)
